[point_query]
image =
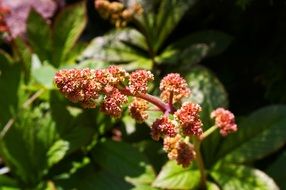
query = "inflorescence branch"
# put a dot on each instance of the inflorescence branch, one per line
(178, 123)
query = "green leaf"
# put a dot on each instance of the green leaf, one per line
(259, 135)
(77, 129)
(74, 53)
(212, 186)
(207, 91)
(7, 182)
(144, 187)
(115, 158)
(39, 39)
(183, 57)
(277, 170)
(123, 46)
(129, 124)
(25, 145)
(68, 27)
(230, 176)
(43, 73)
(10, 81)
(173, 176)
(57, 152)
(25, 56)
(88, 178)
(5, 58)
(169, 15)
(216, 41)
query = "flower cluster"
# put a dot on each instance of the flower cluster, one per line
(179, 150)
(163, 127)
(116, 12)
(177, 124)
(137, 109)
(85, 86)
(188, 116)
(139, 80)
(173, 88)
(224, 120)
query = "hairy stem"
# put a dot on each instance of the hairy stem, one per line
(200, 163)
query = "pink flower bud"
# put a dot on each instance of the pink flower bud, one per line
(162, 127)
(113, 102)
(179, 150)
(189, 118)
(137, 109)
(79, 85)
(138, 81)
(174, 85)
(224, 120)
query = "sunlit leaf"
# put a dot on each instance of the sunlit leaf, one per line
(43, 73)
(25, 145)
(230, 176)
(57, 152)
(121, 46)
(39, 39)
(68, 26)
(173, 176)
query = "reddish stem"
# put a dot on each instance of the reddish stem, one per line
(152, 99)
(170, 103)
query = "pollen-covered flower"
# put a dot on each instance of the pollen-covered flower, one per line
(224, 120)
(175, 87)
(163, 127)
(116, 75)
(138, 81)
(179, 150)
(79, 85)
(138, 108)
(189, 118)
(113, 102)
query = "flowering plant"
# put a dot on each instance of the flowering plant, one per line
(48, 142)
(179, 126)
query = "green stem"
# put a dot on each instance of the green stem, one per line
(208, 132)
(200, 162)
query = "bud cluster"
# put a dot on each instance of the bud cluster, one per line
(116, 12)
(177, 123)
(224, 120)
(179, 150)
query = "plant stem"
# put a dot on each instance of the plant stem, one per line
(208, 132)
(152, 99)
(200, 162)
